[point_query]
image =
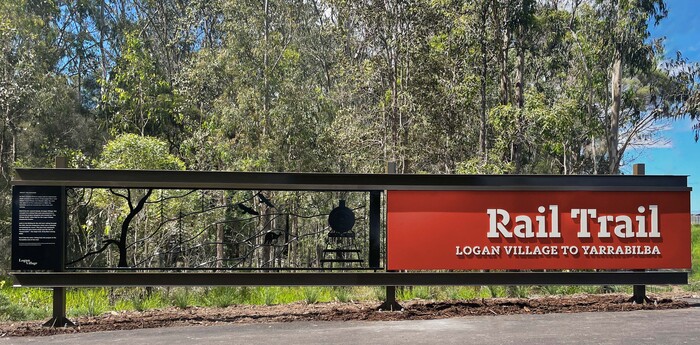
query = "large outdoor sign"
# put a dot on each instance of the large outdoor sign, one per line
(468, 230)
(37, 228)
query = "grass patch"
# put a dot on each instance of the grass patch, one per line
(406, 293)
(693, 286)
(462, 292)
(181, 298)
(87, 302)
(492, 291)
(311, 294)
(342, 294)
(220, 297)
(13, 312)
(19, 304)
(379, 293)
(519, 291)
(267, 295)
(139, 299)
(695, 253)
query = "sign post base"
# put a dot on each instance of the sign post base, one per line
(56, 322)
(390, 303)
(59, 318)
(639, 295)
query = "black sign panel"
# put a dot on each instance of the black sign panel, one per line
(37, 228)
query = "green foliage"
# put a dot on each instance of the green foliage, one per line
(14, 312)
(125, 305)
(461, 292)
(519, 291)
(181, 298)
(416, 292)
(492, 291)
(140, 302)
(311, 294)
(24, 304)
(137, 302)
(268, 295)
(424, 292)
(131, 151)
(342, 294)
(221, 297)
(478, 166)
(695, 253)
(379, 293)
(141, 98)
(87, 302)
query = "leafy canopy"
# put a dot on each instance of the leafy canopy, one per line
(131, 151)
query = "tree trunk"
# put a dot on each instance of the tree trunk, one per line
(614, 125)
(520, 102)
(502, 31)
(125, 227)
(220, 235)
(266, 82)
(4, 172)
(103, 55)
(219, 245)
(484, 65)
(266, 248)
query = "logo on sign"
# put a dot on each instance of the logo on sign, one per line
(28, 262)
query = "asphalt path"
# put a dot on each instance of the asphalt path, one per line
(680, 326)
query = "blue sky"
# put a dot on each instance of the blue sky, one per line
(682, 156)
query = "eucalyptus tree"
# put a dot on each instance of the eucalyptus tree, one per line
(625, 37)
(26, 64)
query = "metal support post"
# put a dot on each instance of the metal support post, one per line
(374, 228)
(390, 303)
(390, 299)
(59, 318)
(639, 292)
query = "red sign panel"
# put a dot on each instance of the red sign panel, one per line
(468, 230)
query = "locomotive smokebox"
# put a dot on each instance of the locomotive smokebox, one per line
(341, 219)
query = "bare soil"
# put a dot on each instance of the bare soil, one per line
(413, 310)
